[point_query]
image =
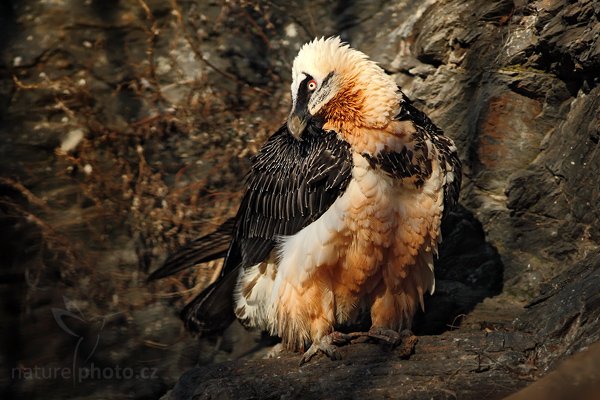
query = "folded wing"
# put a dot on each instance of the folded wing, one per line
(291, 184)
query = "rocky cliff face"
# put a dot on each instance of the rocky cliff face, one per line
(127, 126)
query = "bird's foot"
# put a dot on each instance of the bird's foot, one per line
(409, 341)
(327, 345)
(388, 337)
(392, 338)
(275, 351)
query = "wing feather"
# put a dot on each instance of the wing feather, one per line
(291, 184)
(203, 249)
(415, 161)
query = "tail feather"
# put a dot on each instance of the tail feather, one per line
(212, 310)
(206, 248)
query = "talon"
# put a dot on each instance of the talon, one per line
(363, 337)
(326, 345)
(309, 354)
(275, 351)
(409, 342)
(388, 336)
(339, 338)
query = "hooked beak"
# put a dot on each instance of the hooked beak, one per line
(296, 124)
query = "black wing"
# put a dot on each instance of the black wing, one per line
(449, 160)
(206, 248)
(416, 162)
(408, 112)
(291, 184)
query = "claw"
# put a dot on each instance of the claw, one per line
(339, 338)
(326, 345)
(275, 351)
(388, 336)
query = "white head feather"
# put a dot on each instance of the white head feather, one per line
(321, 57)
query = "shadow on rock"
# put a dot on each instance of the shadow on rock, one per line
(468, 270)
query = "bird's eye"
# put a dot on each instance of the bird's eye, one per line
(312, 85)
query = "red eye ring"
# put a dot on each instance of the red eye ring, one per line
(311, 85)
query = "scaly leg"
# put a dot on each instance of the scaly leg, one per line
(389, 337)
(327, 345)
(275, 351)
(383, 335)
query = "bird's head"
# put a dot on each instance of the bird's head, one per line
(339, 86)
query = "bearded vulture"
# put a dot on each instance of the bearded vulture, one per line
(341, 216)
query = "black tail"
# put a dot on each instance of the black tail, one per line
(212, 310)
(207, 248)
